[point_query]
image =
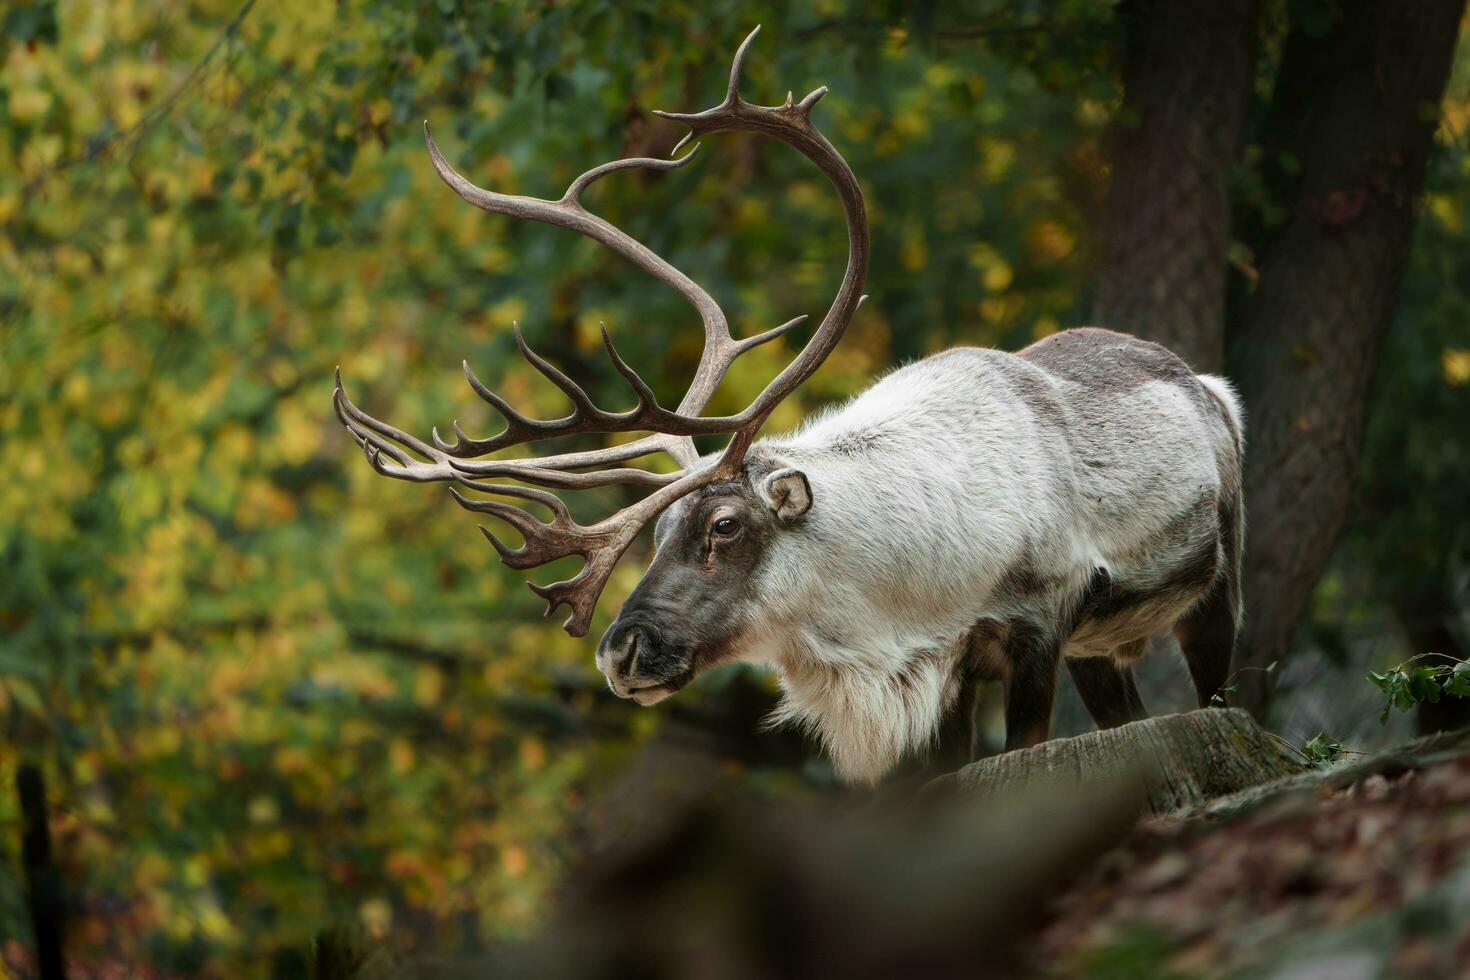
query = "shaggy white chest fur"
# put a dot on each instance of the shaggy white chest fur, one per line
(868, 719)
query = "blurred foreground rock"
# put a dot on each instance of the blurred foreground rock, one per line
(1111, 854)
(853, 887)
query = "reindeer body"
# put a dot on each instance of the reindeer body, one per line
(977, 514)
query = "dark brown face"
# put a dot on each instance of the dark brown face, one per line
(688, 611)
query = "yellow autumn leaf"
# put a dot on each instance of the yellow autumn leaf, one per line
(1456, 365)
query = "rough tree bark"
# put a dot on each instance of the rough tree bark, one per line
(1354, 108)
(1165, 232)
(1175, 761)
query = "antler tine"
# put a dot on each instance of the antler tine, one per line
(769, 335)
(646, 397)
(582, 406)
(586, 416)
(575, 189)
(544, 540)
(579, 592)
(514, 516)
(519, 429)
(600, 544)
(560, 516)
(348, 411)
(375, 439)
(737, 66)
(561, 463)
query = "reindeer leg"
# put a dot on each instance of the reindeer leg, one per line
(955, 745)
(1032, 654)
(1107, 688)
(1207, 637)
(1207, 632)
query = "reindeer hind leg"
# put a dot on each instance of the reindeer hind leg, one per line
(1207, 632)
(1032, 654)
(1107, 687)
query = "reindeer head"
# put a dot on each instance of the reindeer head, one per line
(640, 652)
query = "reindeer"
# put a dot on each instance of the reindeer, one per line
(975, 515)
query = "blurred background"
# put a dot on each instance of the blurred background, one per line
(270, 689)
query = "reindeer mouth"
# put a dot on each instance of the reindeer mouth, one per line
(650, 692)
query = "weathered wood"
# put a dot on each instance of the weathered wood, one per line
(1422, 753)
(1176, 760)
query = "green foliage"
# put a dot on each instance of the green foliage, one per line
(1221, 698)
(1409, 684)
(1138, 953)
(1322, 750)
(31, 22)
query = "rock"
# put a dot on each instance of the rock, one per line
(1175, 761)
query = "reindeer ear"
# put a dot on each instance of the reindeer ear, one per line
(788, 495)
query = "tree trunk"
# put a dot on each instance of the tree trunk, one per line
(1165, 231)
(1350, 110)
(43, 881)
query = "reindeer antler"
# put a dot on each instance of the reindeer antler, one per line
(397, 454)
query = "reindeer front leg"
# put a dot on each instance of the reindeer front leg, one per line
(1031, 654)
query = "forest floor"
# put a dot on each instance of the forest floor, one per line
(1358, 872)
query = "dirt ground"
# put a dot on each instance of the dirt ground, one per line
(1368, 881)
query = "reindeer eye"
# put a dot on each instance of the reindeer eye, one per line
(726, 527)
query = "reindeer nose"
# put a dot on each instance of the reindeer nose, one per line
(617, 654)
